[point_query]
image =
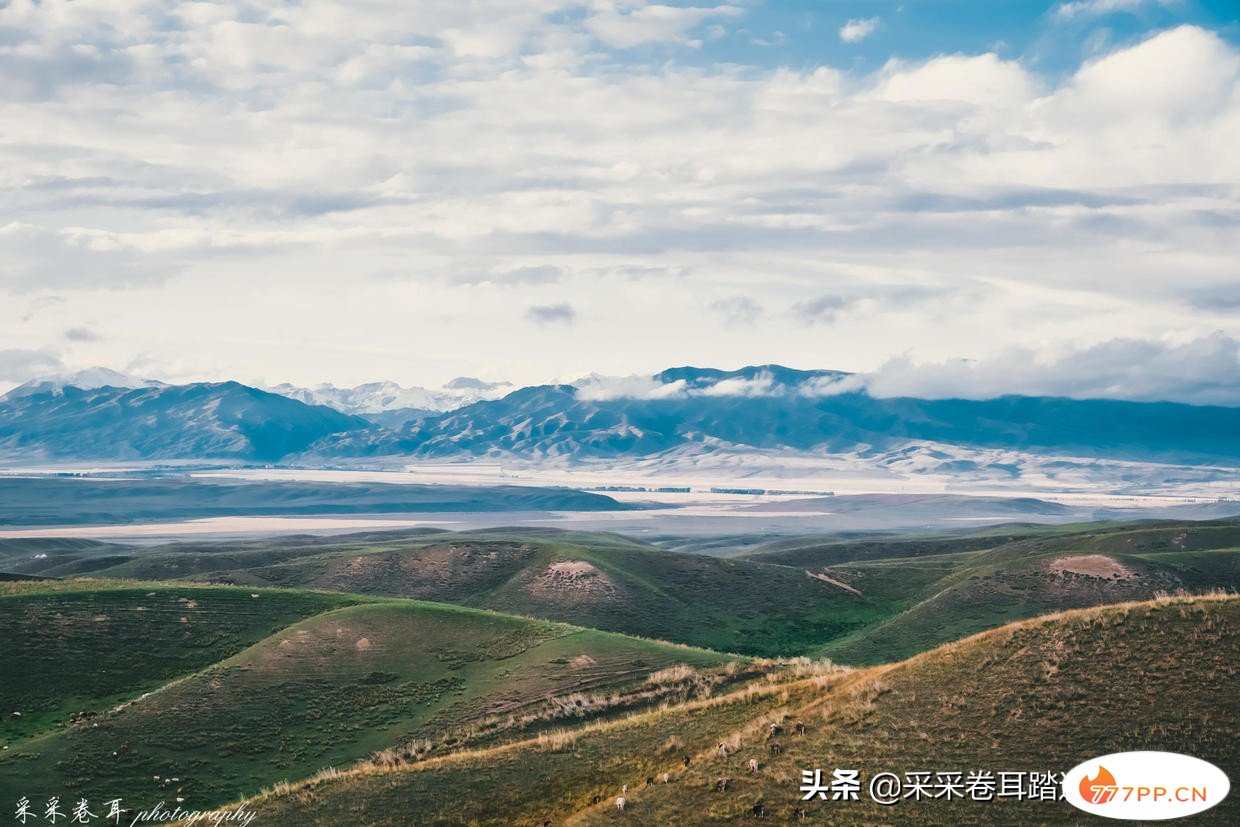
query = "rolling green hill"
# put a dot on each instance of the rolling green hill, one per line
(1132, 537)
(71, 649)
(1035, 696)
(598, 580)
(983, 589)
(859, 602)
(342, 684)
(814, 552)
(229, 681)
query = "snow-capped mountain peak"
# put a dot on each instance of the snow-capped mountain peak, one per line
(386, 396)
(85, 379)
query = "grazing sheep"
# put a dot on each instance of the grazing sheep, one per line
(667, 776)
(688, 760)
(775, 729)
(620, 803)
(649, 780)
(721, 784)
(624, 789)
(800, 727)
(723, 747)
(759, 810)
(776, 749)
(753, 764)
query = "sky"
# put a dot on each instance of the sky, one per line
(951, 198)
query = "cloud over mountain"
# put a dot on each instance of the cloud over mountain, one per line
(1203, 371)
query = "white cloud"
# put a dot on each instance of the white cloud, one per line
(1199, 371)
(1095, 8)
(595, 387)
(854, 31)
(625, 25)
(1202, 371)
(761, 385)
(1177, 80)
(511, 276)
(37, 257)
(980, 80)
(738, 310)
(376, 177)
(598, 388)
(19, 365)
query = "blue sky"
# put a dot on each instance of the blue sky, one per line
(1053, 37)
(966, 198)
(807, 31)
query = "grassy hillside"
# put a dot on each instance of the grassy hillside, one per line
(1129, 538)
(1036, 696)
(813, 552)
(69, 650)
(330, 689)
(981, 590)
(183, 559)
(852, 603)
(598, 580)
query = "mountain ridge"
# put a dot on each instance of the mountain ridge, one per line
(201, 420)
(760, 407)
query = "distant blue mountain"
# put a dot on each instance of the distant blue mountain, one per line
(223, 420)
(766, 406)
(786, 409)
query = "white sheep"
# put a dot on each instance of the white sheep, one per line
(620, 803)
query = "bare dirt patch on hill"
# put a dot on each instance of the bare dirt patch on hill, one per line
(1092, 565)
(574, 580)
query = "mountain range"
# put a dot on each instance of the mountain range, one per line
(685, 409)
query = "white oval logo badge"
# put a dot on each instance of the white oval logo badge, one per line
(1145, 786)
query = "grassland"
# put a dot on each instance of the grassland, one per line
(72, 649)
(1027, 577)
(342, 684)
(861, 601)
(1035, 696)
(233, 667)
(601, 581)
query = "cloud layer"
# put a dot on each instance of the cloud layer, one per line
(1203, 371)
(351, 191)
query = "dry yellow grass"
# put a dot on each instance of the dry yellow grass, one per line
(999, 696)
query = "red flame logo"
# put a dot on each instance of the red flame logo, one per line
(1099, 790)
